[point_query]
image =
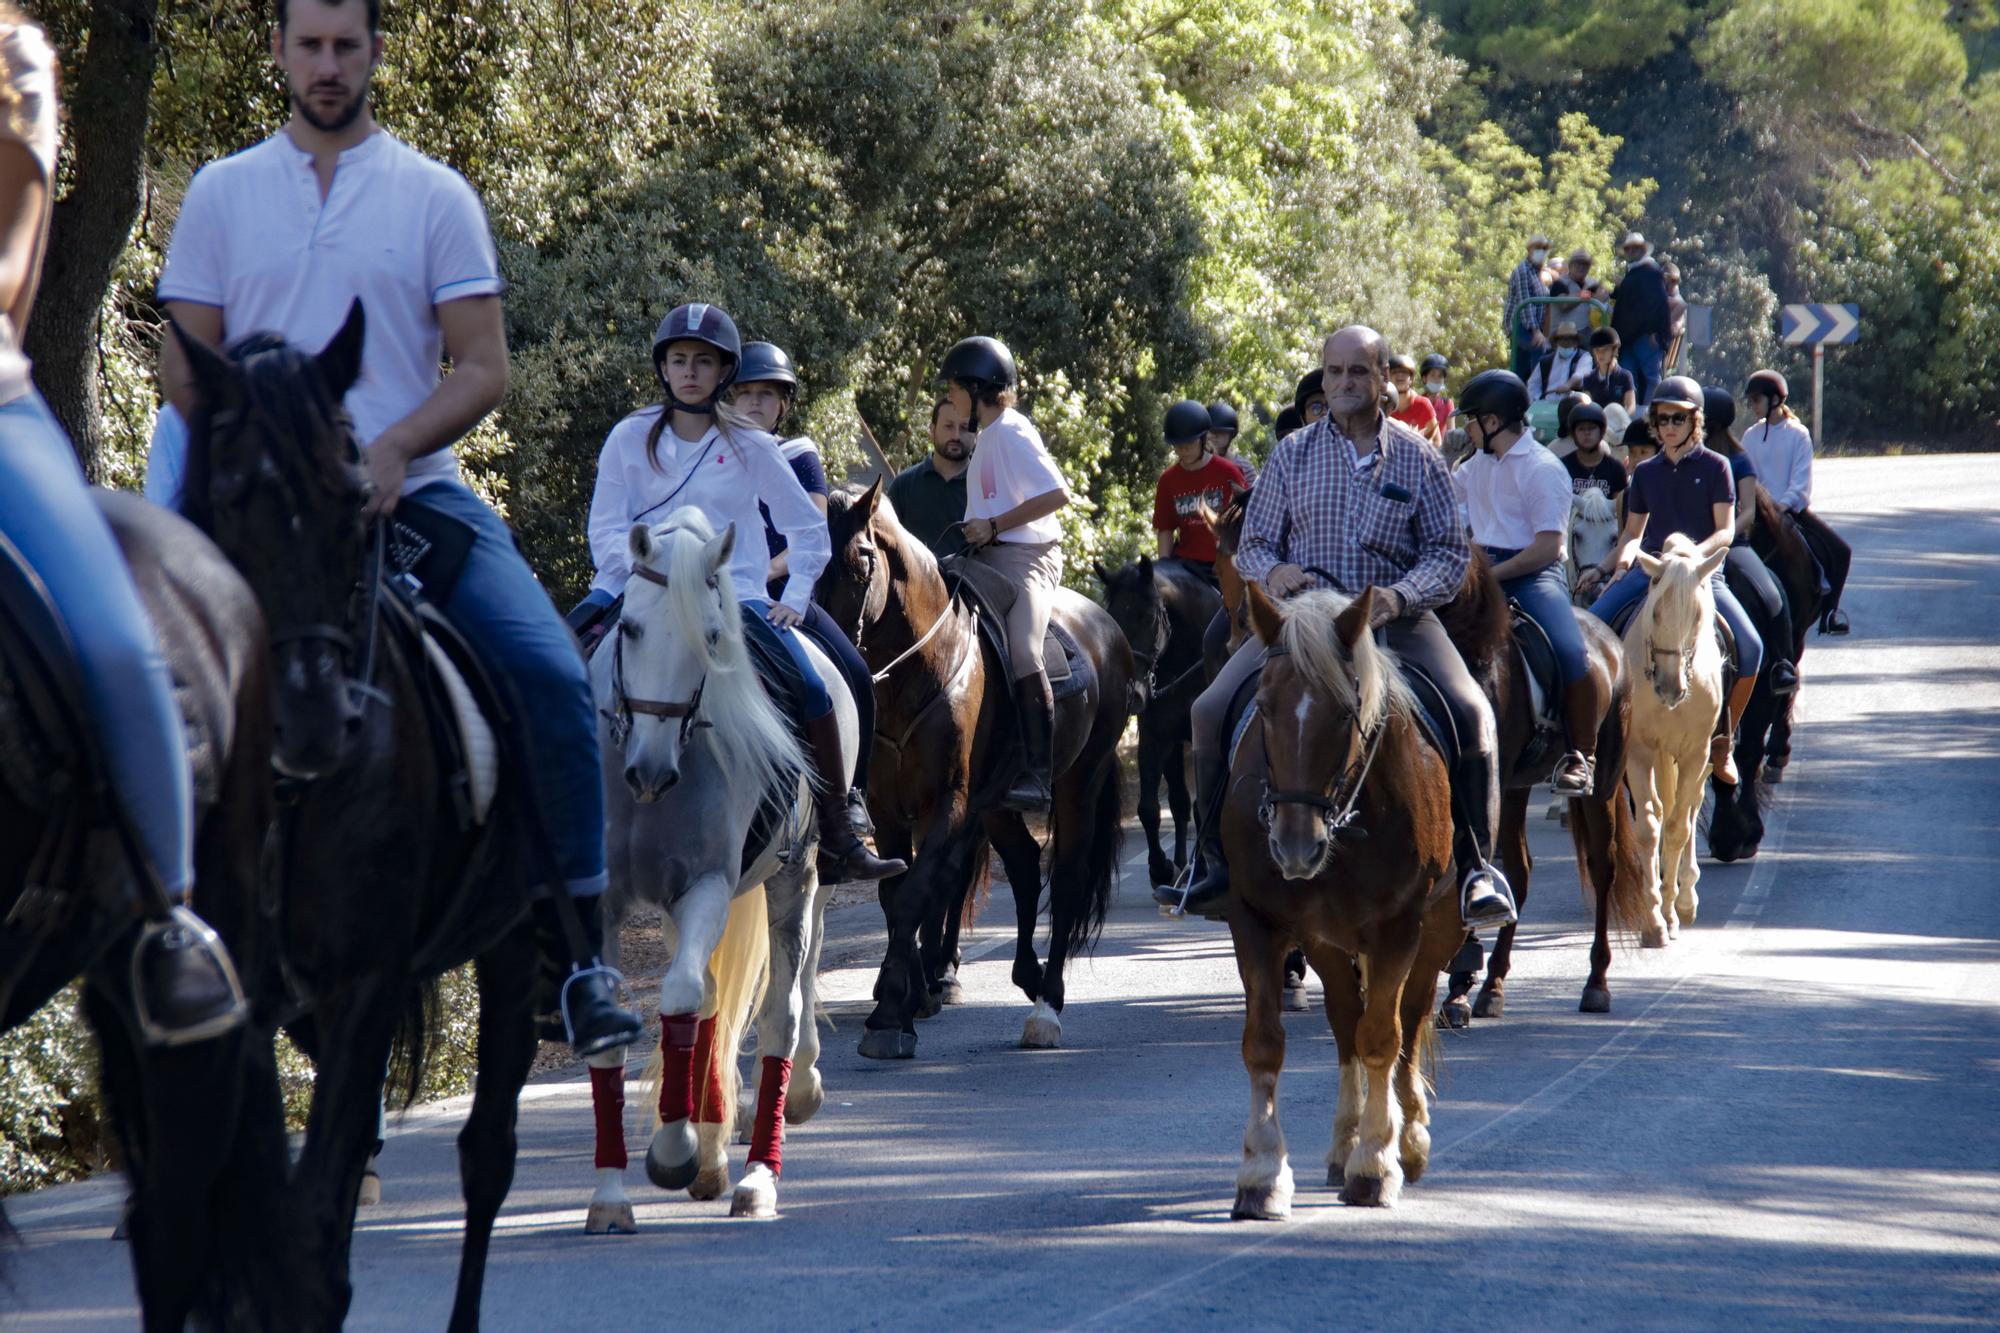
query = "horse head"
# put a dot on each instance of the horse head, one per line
(274, 477)
(1593, 528)
(871, 549)
(1676, 627)
(1136, 597)
(1323, 698)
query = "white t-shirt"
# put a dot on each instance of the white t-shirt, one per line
(1783, 456)
(397, 231)
(1010, 466)
(726, 483)
(1511, 498)
(28, 64)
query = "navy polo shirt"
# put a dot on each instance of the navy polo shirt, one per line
(1679, 497)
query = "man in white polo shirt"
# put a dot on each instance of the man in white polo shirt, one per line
(1517, 497)
(1013, 491)
(282, 238)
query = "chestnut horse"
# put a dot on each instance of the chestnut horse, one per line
(1337, 825)
(940, 734)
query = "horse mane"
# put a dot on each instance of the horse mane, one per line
(1594, 506)
(1476, 619)
(283, 386)
(1365, 682)
(908, 558)
(757, 747)
(1674, 606)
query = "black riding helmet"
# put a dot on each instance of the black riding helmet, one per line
(1679, 389)
(1401, 362)
(1498, 393)
(767, 363)
(1718, 409)
(1187, 421)
(1769, 383)
(1583, 413)
(1312, 384)
(1436, 361)
(1289, 421)
(1221, 416)
(702, 323)
(980, 363)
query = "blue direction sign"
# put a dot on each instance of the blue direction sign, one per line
(1811, 325)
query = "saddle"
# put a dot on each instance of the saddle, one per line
(991, 597)
(1537, 656)
(465, 706)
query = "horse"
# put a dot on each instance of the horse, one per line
(386, 881)
(1480, 625)
(941, 732)
(1673, 717)
(1593, 535)
(200, 1127)
(1764, 735)
(1338, 829)
(694, 749)
(1163, 610)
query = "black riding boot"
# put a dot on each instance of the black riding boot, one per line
(184, 986)
(588, 1000)
(1485, 898)
(843, 857)
(1208, 886)
(1036, 704)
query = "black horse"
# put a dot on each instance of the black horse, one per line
(200, 1127)
(1164, 608)
(387, 884)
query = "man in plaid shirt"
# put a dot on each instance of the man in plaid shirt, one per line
(1524, 327)
(1359, 500)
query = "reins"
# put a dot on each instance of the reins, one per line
(950, 608)
(1336, 809)
(624, 706)
(361, 681)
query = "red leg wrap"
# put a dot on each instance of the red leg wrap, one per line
(767, 1139)
(708, 1067)
(677, 1042)
(607, 1098)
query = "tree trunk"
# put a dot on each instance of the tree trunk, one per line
(108, 96)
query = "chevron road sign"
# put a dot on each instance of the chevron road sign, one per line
(1812, 325)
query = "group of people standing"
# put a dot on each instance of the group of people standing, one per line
(1552, 317)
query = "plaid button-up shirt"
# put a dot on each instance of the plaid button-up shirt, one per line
(1524, 282)
(1391, 524)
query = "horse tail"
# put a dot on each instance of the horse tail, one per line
(1103, 838)
(740, 968)
(979, 888)
(410, 1048)
(1626, 903)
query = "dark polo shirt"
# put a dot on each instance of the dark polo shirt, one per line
(930, 507)
(1679, 497)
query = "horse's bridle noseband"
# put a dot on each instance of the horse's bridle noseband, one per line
(624, 706)
(1337, 806)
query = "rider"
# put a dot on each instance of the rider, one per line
(1435, 368)
(1014, 491)
(1562, 367)
(1686, 488)
(1605, 380)
(1518, 497)
(1591, 467)
(1309, 399)
(1782, 449)
(693, 449)
(186, 988)
(1197, 483)
(766, 387)
(284, 237)
(1414, 410)
(1718, 410)
(1359, 500)
(1222, 429)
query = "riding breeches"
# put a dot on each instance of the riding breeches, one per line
(1752, 580)
(47, 513)
(1833, 554)
(507, 617)
(1544, 595)
(1632, 588)
(815, 703)
(819, 626)
(1036, 569)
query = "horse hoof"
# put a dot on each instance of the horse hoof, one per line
(1365, 1192)
(1773, 774)
(931, 1005)
(370, 1192)
(670, 1157)
(1490, 1004)
(1043, 1030)
(1596, 1000)
(1455, 1014)
(1262, 1203)
(950, 992)
(1653, 937)
(756, 1194)
(1296, 999)
(610, 1219)
(711, 1182)
(887, 1044)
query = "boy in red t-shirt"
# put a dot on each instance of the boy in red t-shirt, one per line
(1416, 411)
(1197, 481)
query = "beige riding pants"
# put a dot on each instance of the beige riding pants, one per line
(1036, 569)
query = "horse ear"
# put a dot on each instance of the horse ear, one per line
(1265, 617)
(721, 549)
(1145, 565)
(640, 542)
(1651, 563)
(339, 361)
(870, 498)
(1712, 563)
(1352, 624)
(213, 374)
(1103, 576)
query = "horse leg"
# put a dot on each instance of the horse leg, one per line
(610, 1212)
(672, 1158)
(1374, 1170)
(780, 1023)
(1264, 1179)
(1681, 857)
(1022, 856)
(1519, 863)
(1152, 760)
(1465, 965)
(487, 1145)
(948, 989)
(1641, 774)
(1597, 827)
(1296, 999)
(1075, 830)
(1342, 987)
(890, 1030)
(808, 1092)
(1413, 1147)
(1178, 801)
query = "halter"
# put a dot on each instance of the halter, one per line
(1653, 656)
(624, 706)
(1335, 808)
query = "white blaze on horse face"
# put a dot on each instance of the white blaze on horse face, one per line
(658, 664)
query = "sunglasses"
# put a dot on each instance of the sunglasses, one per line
(1672, 418)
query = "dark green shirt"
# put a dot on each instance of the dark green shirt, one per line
(930, 507)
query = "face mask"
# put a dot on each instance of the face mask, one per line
(1433, 386)
(1539, 256)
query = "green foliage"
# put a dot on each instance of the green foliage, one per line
(1516, 42)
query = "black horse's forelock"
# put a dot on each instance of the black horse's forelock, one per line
(300, 427)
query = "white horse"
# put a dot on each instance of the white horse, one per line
(1593, 533)
(1666, 749)
(693, 746)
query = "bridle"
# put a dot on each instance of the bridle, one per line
(361, 687)
(624, 707)
(1337, 804)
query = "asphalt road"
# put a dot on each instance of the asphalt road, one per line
(1791, 1118)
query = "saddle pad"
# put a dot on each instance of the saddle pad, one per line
(481, 749)
(1538, 655)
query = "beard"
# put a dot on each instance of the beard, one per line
(339, 120)
(953, 448)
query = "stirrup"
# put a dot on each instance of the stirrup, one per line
(1501, 890)
(1178, 890)
(577, 974)
(182, 917)
(1589, 776)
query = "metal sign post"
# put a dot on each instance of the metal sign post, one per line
(1816, 326)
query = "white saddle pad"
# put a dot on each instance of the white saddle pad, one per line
(482, 751)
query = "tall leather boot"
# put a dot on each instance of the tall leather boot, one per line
(592, 1018)
(1485, 899)
(1208, 888)
(1036, 705)
(1722, 747)
(1582, 712)
(843, 857)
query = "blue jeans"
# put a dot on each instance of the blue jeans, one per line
(817, 702)
(1632, 587)
(507, 617)
(46, 511)
(1544, 595)
(1643, 358)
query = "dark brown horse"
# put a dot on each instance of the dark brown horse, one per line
(940, 731)
(1481, 627)
(1337, 824)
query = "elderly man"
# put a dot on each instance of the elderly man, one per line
(1362, 500)
(1524, 325)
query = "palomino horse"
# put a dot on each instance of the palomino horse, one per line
(940, 731)
(694, 751)
(1481, 627)
(1164, 610)
(386, 881)
(200, 1126)
(1673, 716)
(1337, 825)
(1593, 534)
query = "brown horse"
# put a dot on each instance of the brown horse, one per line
(1481, 627)
(940, 736)
(1337, 823)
